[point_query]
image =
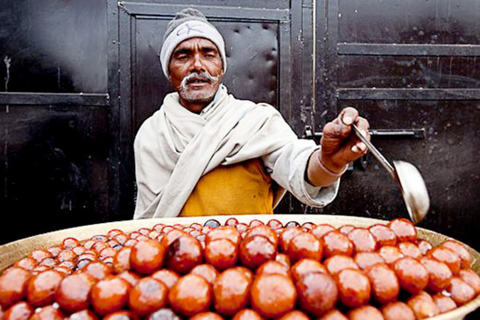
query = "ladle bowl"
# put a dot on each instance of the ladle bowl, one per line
(409, 179)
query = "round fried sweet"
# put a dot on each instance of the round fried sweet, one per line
(383, 234)
(121, 261)
(83, 315)
(365, 312)
(226, 232)
(41, 288)
(390, 254)
(40, 254)
(121, 315)
(398, 310)
(273, 267)
(256, 250)
(275, 224)
(221, 253)
(424, 246)
(19, 311)
(283, 259)
(247, 314)
(73, 293)
(439, 274)
(423, 305)
(290, 224)
(241, 227)
(412, 274)
(338, 262)
(13, 285)
(147, 256)
(40, 268)
(273, 295)
(70, 242)
(263, 230)
(320, 230)
(404, 229)
(335, 242)
(365, 260)
(384, 283)
(447, 256)
(54, 250)
(47, 313)
(472, 278)
(184, 254)
(460, 250)
(207, 271)
(110, 294)
(317, 293)
(295, 315)
(363, 240)
(26, 263)
(130, 277)
(334, 314)
(305, 266)
(147, 296)
(354, 288)
(98, 270)
(206, 316)
(409, 249)
(304, 246)
(346, 229)
(231, 291)
(190, 295)
(460, 291)
(444, 303)
(163, 314)
(168, 277)
(286, 235)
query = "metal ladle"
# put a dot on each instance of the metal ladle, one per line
(409, 179)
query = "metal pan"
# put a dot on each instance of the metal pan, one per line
(14, 251)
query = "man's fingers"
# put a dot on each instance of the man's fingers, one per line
(363, 126)
(348, 116)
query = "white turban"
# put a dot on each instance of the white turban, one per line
(189, 23)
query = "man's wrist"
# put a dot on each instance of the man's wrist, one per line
(336, 174)
(319, 175)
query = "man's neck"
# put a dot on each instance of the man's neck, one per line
(195, 107)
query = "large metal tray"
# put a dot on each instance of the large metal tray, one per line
(14, 251)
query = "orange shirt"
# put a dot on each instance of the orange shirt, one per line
(242, 188)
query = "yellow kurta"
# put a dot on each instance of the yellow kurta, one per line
(243, 188)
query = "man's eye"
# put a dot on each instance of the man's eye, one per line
(210, 54)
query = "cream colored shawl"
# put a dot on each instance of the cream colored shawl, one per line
(175, 147)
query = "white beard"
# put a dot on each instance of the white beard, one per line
(204, 95)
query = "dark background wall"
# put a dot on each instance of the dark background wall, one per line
(79, 77)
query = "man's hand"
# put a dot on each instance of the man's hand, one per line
(339, 147)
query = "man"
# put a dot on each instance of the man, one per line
(205, 152)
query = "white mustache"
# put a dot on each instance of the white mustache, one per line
(203, 76)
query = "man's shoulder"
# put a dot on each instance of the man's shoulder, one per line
(256, 106)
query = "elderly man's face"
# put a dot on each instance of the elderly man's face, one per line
(196, 71)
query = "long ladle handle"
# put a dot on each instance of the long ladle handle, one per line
(384, 162)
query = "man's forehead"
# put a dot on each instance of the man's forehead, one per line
(194, 42)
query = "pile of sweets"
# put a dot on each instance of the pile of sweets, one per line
(242, 271)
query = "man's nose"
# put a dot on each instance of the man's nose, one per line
(198, 63)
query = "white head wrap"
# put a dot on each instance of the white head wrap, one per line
(189, 23)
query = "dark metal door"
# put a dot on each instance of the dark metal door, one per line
(410, 67)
